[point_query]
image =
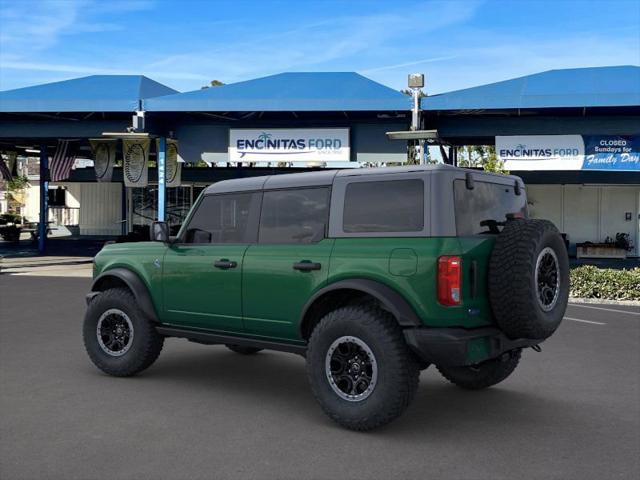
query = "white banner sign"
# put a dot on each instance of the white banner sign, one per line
(104, 157)
(136, 162)
(541, 152)
(289, 145)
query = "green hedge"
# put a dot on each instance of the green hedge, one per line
(588, 281)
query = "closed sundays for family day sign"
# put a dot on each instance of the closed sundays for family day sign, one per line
(569, 152)
(289, 145)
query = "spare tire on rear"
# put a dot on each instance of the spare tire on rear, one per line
(529, 279)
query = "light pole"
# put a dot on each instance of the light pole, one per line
(416, 83)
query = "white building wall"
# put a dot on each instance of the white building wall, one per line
(31, 208)
(588, 213)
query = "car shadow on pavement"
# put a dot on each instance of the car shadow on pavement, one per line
(271, 378)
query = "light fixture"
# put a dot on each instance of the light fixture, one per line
(126, 134)
(414, 135)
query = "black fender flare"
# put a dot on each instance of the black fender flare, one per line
(135, 284)
(390, 299)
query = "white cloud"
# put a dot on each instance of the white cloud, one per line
(408, 64)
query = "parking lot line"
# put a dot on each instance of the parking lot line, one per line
(602, 308)
(584, 321)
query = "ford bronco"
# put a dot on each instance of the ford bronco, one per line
(370, 274)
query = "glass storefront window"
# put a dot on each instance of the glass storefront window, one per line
(144, 207)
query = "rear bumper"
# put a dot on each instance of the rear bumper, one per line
(459, 346)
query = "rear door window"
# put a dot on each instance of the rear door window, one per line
(384, 206)
(294, 215)
(476, 209)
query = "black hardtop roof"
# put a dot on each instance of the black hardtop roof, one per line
(312, 179)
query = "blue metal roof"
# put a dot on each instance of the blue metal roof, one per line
(577, 87)
(96, 93)
(299, 92)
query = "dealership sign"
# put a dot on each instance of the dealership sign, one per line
(289, 145)
(569, 152)
(541, 152)
(611, 153)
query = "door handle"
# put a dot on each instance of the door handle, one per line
(225, 264)
(306, 266)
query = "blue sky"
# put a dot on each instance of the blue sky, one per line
(184, 44)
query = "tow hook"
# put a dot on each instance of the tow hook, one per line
(536, 348)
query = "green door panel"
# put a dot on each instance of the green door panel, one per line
(390, 261)
(196, 293)
(274, 293)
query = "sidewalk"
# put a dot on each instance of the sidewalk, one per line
(47, 266)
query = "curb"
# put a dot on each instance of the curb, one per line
(603, 301)
(51, 264)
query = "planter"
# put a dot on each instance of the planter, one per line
(599, 250)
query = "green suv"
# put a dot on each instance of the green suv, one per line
(370, 274)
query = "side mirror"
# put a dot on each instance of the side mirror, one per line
(159, 232)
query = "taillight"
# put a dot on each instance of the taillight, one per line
(449, 280)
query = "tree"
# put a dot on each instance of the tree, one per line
(474, 156)
(213, 83)
(15, 194)
(493, 164)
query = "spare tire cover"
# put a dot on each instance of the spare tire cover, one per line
(529, 279)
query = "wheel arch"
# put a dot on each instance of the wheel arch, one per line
(347, 291)
(123, 277)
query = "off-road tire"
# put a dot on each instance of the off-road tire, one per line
(483, 375)
(513, 291)
(241, 349)
(398, 372)
(145, 345)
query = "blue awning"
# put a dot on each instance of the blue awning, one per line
(577, 87)
(96, 93)
(288, 92)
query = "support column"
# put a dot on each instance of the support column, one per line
(124, 210)
(44, 199)
(162, 190)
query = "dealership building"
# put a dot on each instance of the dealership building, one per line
(573, 135)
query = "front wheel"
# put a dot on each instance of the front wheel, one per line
(485, 374)
(118, 337)
(360, 369)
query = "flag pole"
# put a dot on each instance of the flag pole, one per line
(44, 199)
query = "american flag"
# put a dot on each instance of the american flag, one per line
(4, 170)
(62, 161)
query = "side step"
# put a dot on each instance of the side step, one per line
(216, 338)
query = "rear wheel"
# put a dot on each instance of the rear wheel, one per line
(242, 349)
(483, 375)
(360, 369)
(118, 337)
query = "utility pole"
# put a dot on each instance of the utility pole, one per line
(416, 83)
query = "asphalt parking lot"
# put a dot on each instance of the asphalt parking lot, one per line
(572, 411)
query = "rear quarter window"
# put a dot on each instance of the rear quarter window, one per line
(487, 201)
(384, 206)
